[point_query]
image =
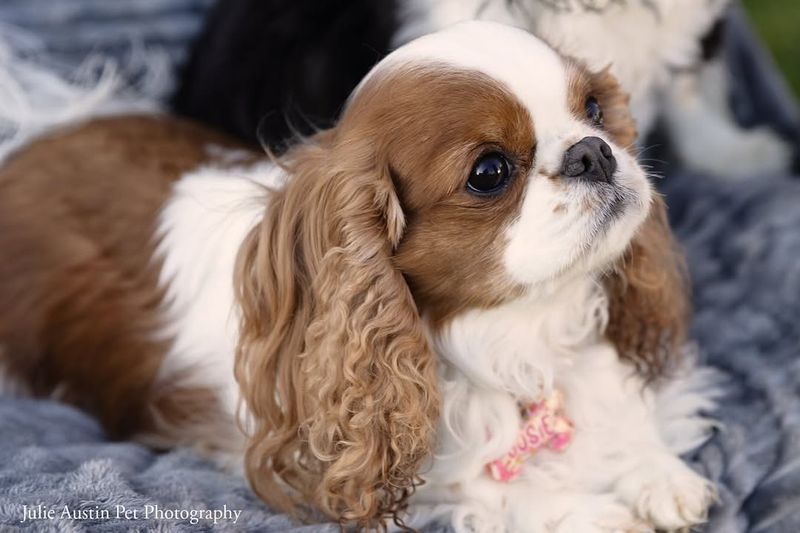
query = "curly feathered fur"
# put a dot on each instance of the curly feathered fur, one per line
(333, 362)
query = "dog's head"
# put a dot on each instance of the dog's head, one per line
(471, 167)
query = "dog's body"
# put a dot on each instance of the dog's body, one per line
(666, 53)
(381, 320)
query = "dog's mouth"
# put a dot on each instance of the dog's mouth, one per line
(612, 199)
(612, 207)
(605, 201)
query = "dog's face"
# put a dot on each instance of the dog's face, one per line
(512, 169)
(471, 167)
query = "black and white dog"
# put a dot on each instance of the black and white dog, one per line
(292, 63)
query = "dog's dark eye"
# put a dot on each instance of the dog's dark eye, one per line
(594, 112)
(490, 175)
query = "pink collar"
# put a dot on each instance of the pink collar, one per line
(543, 425)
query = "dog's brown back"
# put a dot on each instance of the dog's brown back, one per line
(78, 211)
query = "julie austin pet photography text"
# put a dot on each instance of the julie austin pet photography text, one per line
(33, 513)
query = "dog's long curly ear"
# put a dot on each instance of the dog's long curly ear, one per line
(333, 362)
(649, 297)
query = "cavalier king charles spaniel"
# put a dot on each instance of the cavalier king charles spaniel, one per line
(463, 302)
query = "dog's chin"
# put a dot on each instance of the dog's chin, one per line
(600, 220)
(612, 213)
(614, 222)
(611, 228)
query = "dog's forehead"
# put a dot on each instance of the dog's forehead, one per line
(524, 64)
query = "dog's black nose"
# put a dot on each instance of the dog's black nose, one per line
(591, 159)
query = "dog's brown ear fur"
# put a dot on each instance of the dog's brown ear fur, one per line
(333, 362)
(649, 297)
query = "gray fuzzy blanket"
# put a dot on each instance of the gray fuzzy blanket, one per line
(743, 244)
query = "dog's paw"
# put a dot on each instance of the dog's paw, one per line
(598, 514)
(666, 493)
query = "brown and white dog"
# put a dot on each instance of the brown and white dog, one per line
(473, 235)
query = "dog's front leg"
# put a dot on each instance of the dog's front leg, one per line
(617, 444)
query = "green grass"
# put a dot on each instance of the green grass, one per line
(778, 24)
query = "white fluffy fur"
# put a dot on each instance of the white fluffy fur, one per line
(701, 124)
(653, 48)
(622, 471)
(201, 229)
(34, 98)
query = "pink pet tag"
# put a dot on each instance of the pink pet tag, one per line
(544, 425)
